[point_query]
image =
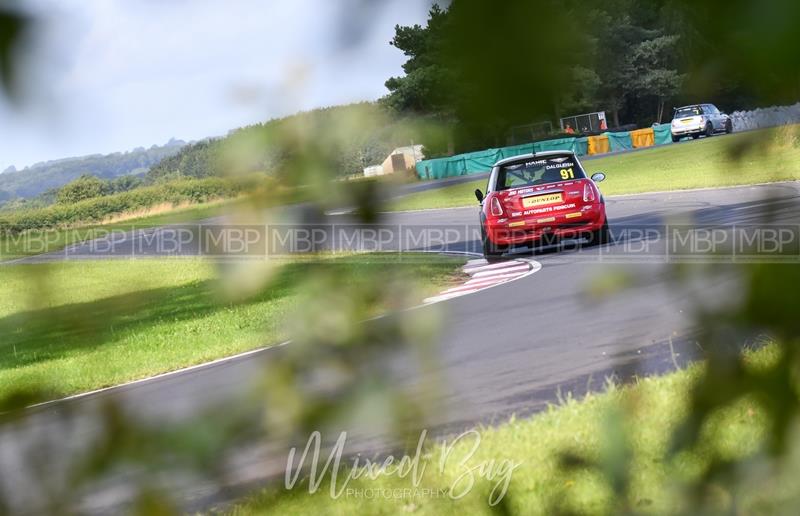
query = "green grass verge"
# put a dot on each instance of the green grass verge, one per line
(71, 327)
(35, 242)
(46, 241)
(739, 159)
(647, 411)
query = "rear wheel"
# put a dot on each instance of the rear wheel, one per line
(728, 126)
(709, 129)
(695, 136)
(675, 139)
(491, 251)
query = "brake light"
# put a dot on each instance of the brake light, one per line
(588, 193)
(497, 210)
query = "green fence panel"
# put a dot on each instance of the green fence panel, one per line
(433, 168)
(516, 150)
(619, 141)
(482, 161)
(662, 134)
(461, 164)
(424, 169)
(581, 146)
(557, 144)
(456, 167)
(478, 165)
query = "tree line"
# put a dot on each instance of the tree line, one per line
(484, 67)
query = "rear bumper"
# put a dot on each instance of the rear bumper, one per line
(686, 131)
(534, 229)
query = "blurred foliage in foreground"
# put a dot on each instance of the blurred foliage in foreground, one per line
(335, 366)
(607, 453)
(378, 132)
(250, 154)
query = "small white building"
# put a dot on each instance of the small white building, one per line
(402, 159)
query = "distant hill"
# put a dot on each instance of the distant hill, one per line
(349, 138)
(36, 179)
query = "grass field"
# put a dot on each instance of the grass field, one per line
(647, 410)
(739, 159)
(76, 326)
(44, 241)
(38, 242)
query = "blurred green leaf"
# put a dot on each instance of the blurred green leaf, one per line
(12, 27)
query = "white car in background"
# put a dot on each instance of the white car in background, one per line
(699, 119)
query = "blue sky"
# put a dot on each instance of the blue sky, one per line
(111, 75)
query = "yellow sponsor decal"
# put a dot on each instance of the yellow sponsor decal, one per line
(515, 224)
(573, 215)
(548, 219)
(538, 200)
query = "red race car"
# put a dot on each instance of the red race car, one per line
(539, 198)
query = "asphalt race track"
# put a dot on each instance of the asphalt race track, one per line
(506, 350)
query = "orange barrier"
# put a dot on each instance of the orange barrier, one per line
(598, 144)
(643, 137)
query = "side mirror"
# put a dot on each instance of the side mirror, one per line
(598, 176)
(479, 194)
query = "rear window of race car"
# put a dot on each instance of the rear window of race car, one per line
(688, 111)
(538, 171)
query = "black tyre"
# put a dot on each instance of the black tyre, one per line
(728, 126)
(695, 136)
(675, 139)
(600, 237)
(491, 251)
(709, 129)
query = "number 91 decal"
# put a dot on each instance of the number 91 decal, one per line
(567, 173)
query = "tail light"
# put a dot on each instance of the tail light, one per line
(588, 193)
(497, 210)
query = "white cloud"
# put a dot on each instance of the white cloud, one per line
(118, 74)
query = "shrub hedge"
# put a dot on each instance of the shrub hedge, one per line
(101, 208)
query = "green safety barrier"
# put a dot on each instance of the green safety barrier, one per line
(663, 135)
(581, 146)
(619, 141)
(483, 161)
(517, 150)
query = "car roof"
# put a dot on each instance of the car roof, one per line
(543, 154)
